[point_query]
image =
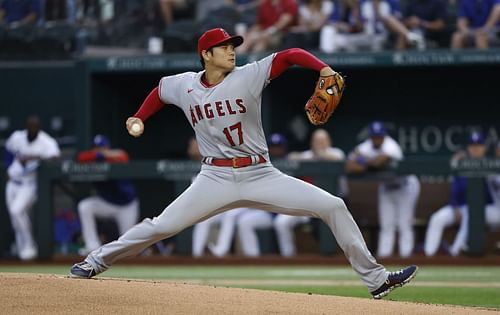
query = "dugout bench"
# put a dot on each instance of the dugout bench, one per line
(325, 175)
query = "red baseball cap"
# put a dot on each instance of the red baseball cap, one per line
(216, 36)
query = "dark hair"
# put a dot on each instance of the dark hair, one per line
(201, 57)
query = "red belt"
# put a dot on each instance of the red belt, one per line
(235, 162)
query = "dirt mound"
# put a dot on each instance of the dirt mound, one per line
(54, 294)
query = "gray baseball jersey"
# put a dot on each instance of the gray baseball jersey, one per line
(227, 121)
(226, 117)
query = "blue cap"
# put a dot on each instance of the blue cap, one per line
(377, 129)
(277, 139)
(476, 137)
(101, 141)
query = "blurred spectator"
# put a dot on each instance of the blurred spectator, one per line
(457, 211)
(274, 19)
(113, 199)
(172, 9)
(204, 7)
(313, 14)
(57, 10)
(379, 18)
(16, 13)
(25, 150)
(343, 23)
(397, 196)
(427, 17)
(321, 150)
(478, 22)
(388, 12)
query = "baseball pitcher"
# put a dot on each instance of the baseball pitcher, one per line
(223, 105)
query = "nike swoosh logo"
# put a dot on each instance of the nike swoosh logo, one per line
(190, 90)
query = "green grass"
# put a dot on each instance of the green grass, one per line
(470, 286)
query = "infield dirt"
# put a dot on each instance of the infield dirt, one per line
(23, 293)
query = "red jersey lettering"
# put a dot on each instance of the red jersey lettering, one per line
(208, 111)
(242, 107)
(229, 109)
(193, 117)
(218, 107)
(198, 112)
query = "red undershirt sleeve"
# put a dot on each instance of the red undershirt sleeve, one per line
(294, 56)
(150, 106)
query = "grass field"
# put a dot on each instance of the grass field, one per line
(471, 286)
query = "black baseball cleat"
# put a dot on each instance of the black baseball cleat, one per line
(82, 270)
(395, 280)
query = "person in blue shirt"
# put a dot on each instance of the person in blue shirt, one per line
(113, 199)
(478, 22)
(428, 17)
(456, 212)
(15, 13)
(360, 24)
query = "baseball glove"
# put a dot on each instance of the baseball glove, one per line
(325, 99)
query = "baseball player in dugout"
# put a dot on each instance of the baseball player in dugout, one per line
(113, 199)
(25, 150)
(457, 210)
(397, 196)
(223, 105)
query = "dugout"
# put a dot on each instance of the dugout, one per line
(428, 100)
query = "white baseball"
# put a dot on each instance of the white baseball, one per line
(136, 128)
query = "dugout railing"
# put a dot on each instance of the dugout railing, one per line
(324, 173)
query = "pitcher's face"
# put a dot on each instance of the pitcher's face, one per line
(224, 56)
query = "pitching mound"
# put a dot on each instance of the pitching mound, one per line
(52, 294)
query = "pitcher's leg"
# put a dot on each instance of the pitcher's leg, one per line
(285, 194)
(204, 198)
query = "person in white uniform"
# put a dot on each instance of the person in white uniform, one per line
(493, 181)
(27, 148)
(397, 197)
(493, 212)
(457, 211)
(223, 105)
(284, 224)
(227, 226)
